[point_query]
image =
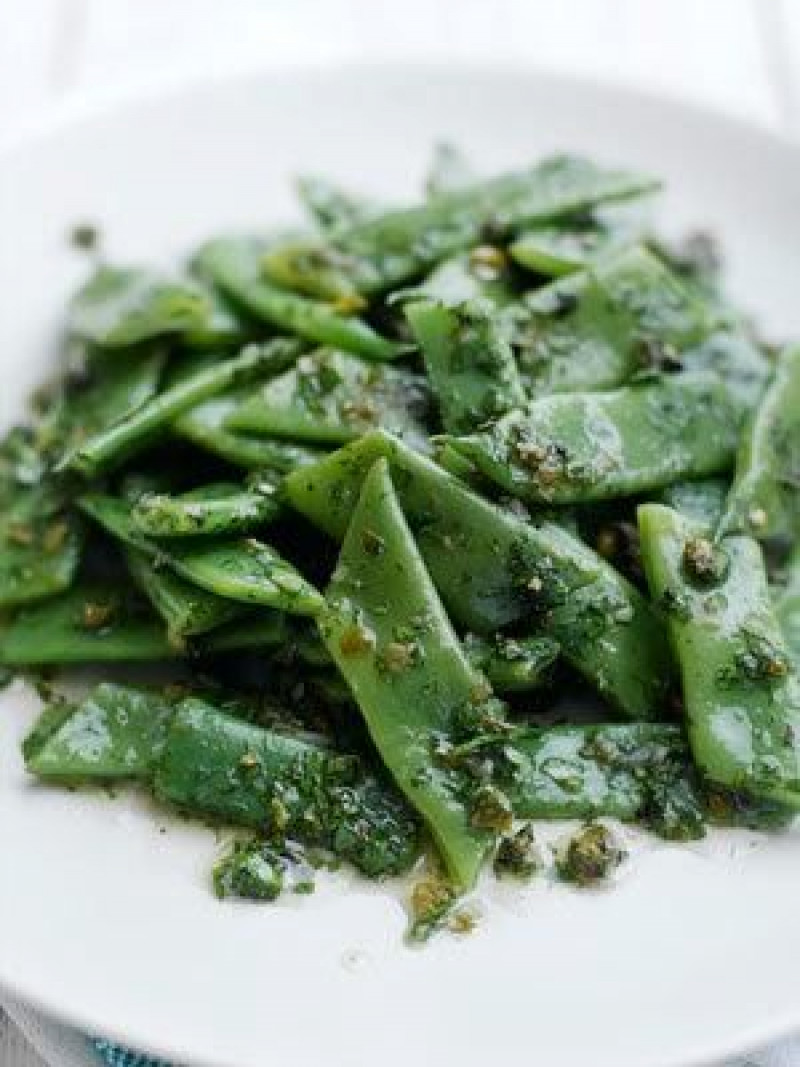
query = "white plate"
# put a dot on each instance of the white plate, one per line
(107, 922)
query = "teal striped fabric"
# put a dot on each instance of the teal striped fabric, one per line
(114, 1056)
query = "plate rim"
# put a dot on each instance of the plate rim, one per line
(96, 106)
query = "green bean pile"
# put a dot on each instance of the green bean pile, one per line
(444, 519)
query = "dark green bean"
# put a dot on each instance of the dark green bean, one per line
(482, 275)
(213, 509)
(512, 665)
(235, 266)
(635, 772)
(204, 426)
(119, 307)
(237, 568)
(117, 732)
(216, 765)
(736, 359)
(101, 624)
(559, 250)
(108, 390)
(329, 396)
(624, 317)
(493, 568)
(765, 496)
(469, 362)
(381, 253)
(741, 692)
(579, 447)
(40, 542)
(138, 430)
(787, 605)
(88, 624)
(186, 609)
(406, 670)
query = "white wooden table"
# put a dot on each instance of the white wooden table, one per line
(742, 56)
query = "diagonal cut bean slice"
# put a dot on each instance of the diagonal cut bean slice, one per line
(186, 609)
(493, 568)
(382, 252)
(40, 541)
(330, 396)
(143, 426)
(627, 315)
(87, 624)
(205, 427)
(234, 265)
(406, 669)
(469, 361)
(215, 764)
(741, 690)
(116, 734)
(119, 307)
(632, 771)
(214, 509)
(241, 568)
(581, 447)
(765, 497)
(786, 596)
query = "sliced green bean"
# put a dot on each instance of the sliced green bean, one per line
(386, 251)
(213, 509)
(186, 609)
(116, 733)
(626, 315)
(216, 765)
(406, 669)
(559, 250)
(110, 390)
(235, 267)
(765, 496)
(469, 362)
(204, 426)
(330, 396)
(90, 624)
(736, 359)
(249, 571)
(313, 272)
(635, 772)
(226, 326)
(481, 275)
(493, 568)
(138, 430)
(40, 537)
(741, 693)
(235, 568)
(787, 605)
(579, 447)
(40, 542)
(512, 665)
(119, 307)
(100, 624)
